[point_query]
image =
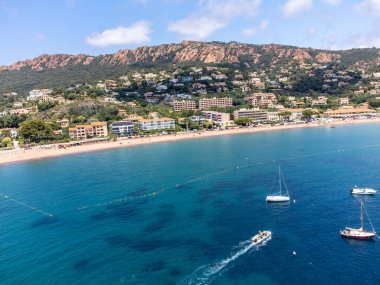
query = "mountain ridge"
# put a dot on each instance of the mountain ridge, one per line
(186, 51)
(59, 70)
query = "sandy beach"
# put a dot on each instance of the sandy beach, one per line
(14, 156)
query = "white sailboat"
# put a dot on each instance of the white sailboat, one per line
(279, 197)
(360, 233)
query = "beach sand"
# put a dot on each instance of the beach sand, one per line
(21, 155)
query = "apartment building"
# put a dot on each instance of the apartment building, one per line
(261, 99)
(122, 128)
(179, 105)
(273, 116)
(207, 103)
(156, 124)
(352, 112)
(95, 129)
(256, 115)
(37, 93)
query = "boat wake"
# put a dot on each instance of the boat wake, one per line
(207, 273)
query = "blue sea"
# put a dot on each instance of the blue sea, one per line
(183, 212)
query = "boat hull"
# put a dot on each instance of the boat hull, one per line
(357, 234)
(257, 240)
(363, 192)
(274, 198)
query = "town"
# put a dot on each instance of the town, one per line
(187, 99)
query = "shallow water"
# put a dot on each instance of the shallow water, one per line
(108, 226)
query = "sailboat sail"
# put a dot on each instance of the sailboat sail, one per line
(279, 197)
(359, 233)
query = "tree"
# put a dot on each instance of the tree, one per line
(43, 106)
(12, 121)
(6, 142)
(374, 103)
(307, 114)
(108, 114)
(243, 121)
(5, 133)
(286, 115)
(79, 120)
(36, 130)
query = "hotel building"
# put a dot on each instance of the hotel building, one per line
(207, 103)
(179, 105)
(256, 115)
(156, 124)
(95, 129)
(122, 128)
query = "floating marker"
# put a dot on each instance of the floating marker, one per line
(294, 253)
(224, 171)
(26, 205)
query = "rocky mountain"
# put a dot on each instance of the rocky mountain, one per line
(62, 69)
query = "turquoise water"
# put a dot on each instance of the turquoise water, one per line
(109, 228)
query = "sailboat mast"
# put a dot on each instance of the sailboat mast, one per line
(361, 214)
(279, 179)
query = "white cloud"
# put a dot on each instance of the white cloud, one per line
(332, 2)
(196, 29)
(264, 24)
(7, 9)
(211, 16)
(368, 7)
(228, 9)
(363, 39)
(40, 37)
(294, 7)
(137, 33)
(249, 32)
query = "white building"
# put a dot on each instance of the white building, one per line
(156, 124)
(219, 118)
(37, 93)
(217, 76)
(273, 116)
(122, 128)
(256, 115)
(344, 101)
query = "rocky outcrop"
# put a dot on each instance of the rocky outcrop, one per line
(186, 51)
(46, 61)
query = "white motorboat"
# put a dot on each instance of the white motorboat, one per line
(363, 191)
(359, 233)
(279, 197)
(261, 237)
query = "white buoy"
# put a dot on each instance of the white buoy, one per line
(294, 200)
(294, 253)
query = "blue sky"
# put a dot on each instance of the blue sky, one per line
(30, 28)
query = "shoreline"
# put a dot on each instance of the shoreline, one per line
(17, 156)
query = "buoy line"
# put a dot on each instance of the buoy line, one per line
(163, 190)
(6, 197)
